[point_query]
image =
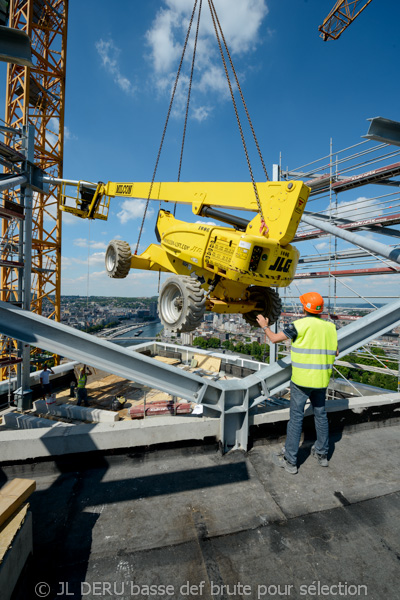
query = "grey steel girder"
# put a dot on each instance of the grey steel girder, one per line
(371, 245)
(384, 130)
(230, 400)
(389, 231)
(15, 47)
(12, 181)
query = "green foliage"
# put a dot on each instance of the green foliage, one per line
(94, 328)
(380, 380)
(200, 342)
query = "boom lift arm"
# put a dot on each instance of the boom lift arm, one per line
(282, 202)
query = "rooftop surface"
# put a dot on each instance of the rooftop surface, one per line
(108, 526)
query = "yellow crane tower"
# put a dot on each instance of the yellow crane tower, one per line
(36, 96)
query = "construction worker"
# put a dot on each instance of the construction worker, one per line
(81, 387)
(45, 380)
(313, 351)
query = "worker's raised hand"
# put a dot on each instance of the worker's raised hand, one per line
(262, 321)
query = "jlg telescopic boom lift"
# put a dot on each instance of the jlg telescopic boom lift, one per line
(215, 268)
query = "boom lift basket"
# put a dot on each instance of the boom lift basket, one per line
(88, 202)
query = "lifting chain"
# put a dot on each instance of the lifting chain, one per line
(218, 33)
(214, 16)
(165, 126)
(189, 94)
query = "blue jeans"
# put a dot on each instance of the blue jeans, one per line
(298, 398)
(82, 395)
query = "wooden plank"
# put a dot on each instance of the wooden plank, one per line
(168, 361)
(208, 363)
(10, 528)
(13, 494)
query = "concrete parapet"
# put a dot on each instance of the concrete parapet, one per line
(60, 438)
(80, 413)
(272, 415)
(55, 441)
(20, 421)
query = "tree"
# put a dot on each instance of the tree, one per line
(213, 343)
(200, 342)
(239, 347)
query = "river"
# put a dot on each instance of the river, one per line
(149, 330)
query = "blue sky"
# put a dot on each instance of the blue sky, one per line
(300, 91)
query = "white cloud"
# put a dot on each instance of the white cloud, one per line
(83, 243)
(138, 283)
(206, 223)
(68, 218)
(68, 135)
(359, 209)
(165, 50)
(133, 209)
(96, 258)
(241, 22)
(201, 113)
(321, 245)
(109, 54)
(52, 133)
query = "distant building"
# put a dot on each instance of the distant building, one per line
(153, 310)
(187, 338)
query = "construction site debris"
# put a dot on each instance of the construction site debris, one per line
(159, 408)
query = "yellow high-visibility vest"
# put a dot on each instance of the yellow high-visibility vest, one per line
(82, 381)
(313, 352)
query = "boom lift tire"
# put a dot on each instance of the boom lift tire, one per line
(118, 259)
(181, 304)
(269, 302)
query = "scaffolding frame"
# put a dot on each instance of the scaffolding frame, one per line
(363, 164)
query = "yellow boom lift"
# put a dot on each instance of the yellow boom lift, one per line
(221, 269)
(215, 268)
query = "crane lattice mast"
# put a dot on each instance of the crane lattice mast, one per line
(341, 16)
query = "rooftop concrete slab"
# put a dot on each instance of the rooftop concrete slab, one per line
(111, 525)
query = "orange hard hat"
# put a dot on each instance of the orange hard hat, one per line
(312, 302)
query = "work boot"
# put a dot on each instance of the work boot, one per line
(280, 461)
(321, 458)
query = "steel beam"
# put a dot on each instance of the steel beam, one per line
(389, 231)
(230, 400)
(348, 273)
(12, 182)
(384, 130)
(15, 47)
(368, 244)
(361, 224)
